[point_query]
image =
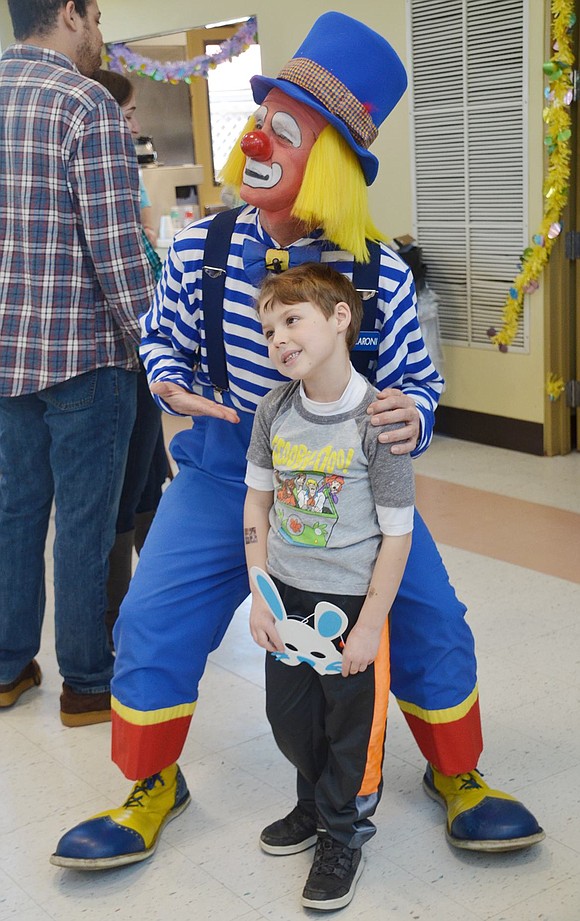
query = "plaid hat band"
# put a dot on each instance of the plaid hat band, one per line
(334, 96)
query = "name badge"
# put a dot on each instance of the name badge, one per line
(368, 341)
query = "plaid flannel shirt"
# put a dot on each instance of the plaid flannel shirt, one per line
(73, 274)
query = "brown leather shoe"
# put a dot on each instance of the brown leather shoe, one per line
(29, 677)
(84, 709)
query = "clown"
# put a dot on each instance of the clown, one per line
(302, 167)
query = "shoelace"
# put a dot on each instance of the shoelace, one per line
(142, 789)
(469, 781)
(331, 858)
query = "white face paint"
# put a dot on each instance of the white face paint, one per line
(272, 182)
(260, 175)
(287, 128)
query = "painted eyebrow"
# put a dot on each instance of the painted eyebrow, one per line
(284, 122)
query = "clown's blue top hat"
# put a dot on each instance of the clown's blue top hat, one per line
(349, 74)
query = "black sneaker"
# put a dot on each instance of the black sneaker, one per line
(294, 833)
(332, 880)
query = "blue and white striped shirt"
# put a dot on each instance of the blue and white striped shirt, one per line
(173, 346)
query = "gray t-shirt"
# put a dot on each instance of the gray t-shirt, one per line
(330, 475)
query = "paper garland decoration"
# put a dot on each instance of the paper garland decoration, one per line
(120, 57)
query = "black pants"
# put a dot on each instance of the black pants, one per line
(147, 467)
(332, 729)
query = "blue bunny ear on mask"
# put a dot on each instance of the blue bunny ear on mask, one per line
(330, 620)
(268, 591)
(329, 624)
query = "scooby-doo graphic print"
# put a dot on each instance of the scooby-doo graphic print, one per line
(306, 506)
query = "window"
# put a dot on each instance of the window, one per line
(468, 115)
(230, 100)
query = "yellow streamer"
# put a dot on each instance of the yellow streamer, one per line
(558, 132)
(555, 386)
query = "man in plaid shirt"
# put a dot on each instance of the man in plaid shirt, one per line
(73, 280)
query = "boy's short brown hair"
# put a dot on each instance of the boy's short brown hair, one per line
(313, 283)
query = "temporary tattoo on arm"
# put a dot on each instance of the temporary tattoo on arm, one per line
(250, 536)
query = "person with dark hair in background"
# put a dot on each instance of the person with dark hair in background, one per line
(147, 466)
(73, 280)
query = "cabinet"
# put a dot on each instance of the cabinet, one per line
(162, 183)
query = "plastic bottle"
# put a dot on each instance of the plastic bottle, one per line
(176, 218)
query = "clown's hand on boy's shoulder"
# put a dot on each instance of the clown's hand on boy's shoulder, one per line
(185, 403)
(263, 626)
(392, 406)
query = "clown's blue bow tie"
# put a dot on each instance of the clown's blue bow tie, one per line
(259, 259)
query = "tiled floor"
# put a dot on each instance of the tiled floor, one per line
(525, 614)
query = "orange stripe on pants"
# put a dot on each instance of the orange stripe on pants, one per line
(374, 767)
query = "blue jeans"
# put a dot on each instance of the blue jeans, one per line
(67, 443)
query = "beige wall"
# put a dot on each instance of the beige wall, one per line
(480, 380)
(488, 381)
(5, 25)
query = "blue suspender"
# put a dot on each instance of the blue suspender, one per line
(365, 278)
(215, 260)
(217, 246)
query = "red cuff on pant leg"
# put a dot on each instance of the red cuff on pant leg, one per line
(140, 751)
(454, 747)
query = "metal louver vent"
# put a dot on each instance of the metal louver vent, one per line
(468, 110)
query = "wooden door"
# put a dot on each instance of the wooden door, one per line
(208, 191)
(562, 308)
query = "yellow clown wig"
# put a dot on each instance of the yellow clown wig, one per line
(333, 194)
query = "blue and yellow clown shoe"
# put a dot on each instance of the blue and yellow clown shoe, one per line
(128, 834)
(479, 818)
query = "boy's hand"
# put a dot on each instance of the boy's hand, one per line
(360, 649)
(392, 405)
(263, 627)
(190, 404)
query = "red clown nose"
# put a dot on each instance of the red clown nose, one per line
(257, 145)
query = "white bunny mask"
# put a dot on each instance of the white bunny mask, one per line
(303, 643)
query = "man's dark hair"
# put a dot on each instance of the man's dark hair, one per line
(37, 17)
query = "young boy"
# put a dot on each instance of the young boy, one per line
(329, 515)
